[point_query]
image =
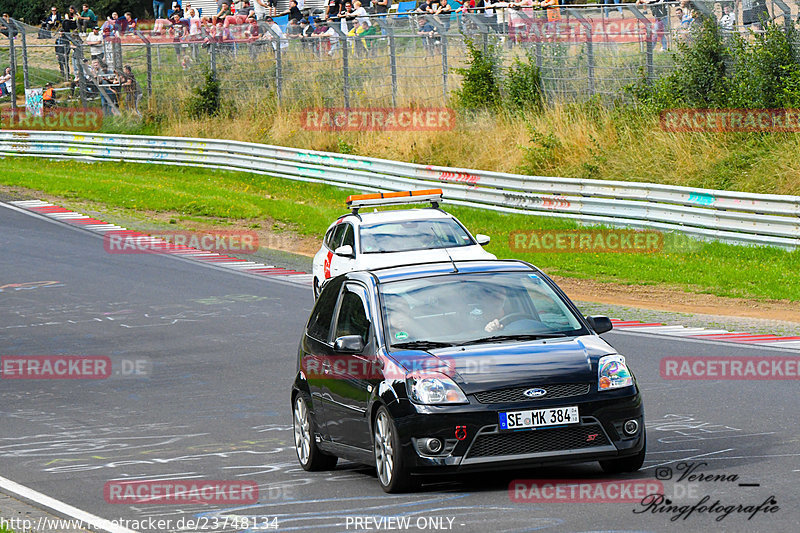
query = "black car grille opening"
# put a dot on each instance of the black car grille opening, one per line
(538, 441)
(558, 390)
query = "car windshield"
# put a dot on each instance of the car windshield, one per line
(403, 236)
(461, 309)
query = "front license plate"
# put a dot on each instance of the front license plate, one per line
(557, 416)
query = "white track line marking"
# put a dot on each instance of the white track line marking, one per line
(91, 521)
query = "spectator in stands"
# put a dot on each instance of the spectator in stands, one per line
(52, 21)
(130, 22)
(87, 19)
(332, 9)
(130, 88)
(306, 30)
(108, 84)
(661, 13)
(176, 8)
(6, 82)
(382, 6)
(360, 14)
(70, 20)
(108, 25)
(95, 42)
(191, 15)
(428, 34)
(48, 96)
(728, 20)
(424, 7)
(241, 15)
(293, 12)
(272, 7)
(222, 14)
(328, 37)
(605, 9)
(159, 9)
(63, 49)
(293, 29)
(260, 8)
(442, 12)
(284, 42)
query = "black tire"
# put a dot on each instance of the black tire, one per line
(309, 456)
(625, 464)
(316, 289)
(393, 475)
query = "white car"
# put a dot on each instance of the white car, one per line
(363, 241)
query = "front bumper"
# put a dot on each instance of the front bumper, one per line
(472, 439)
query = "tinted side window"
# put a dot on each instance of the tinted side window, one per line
(319, 325)
(353, 318)
(349, 237)
(329, 236)
(336, 238)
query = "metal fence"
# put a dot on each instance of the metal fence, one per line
(737, 217)
(405, 59)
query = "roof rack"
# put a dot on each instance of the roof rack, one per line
(357, 201)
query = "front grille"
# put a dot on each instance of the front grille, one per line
(557, 390)
(538, 441)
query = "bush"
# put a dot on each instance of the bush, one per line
(523, 87)
(205, 100)
(479, 88)
(767, 71)
(714, 70)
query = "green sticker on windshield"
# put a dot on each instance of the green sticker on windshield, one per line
(401, 335)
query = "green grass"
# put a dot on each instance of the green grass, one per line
(242, 198)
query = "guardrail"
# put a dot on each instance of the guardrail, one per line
(735, 217)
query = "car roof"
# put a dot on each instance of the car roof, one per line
(421, 270)
(396, 215)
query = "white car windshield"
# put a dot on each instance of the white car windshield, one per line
(472, 308)
(404, 236)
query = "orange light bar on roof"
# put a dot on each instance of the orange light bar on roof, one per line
(393, 198)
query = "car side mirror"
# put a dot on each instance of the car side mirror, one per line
(482, 239)
(344, 251)
(600, 324)
(348, 344)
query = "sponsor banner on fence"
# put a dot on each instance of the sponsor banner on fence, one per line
(731, 120)
(377, 119)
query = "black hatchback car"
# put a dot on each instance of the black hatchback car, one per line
(449, 367)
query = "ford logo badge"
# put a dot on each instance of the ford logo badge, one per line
(534, 393)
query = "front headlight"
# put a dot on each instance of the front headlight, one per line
(613, 373)
(433, 388)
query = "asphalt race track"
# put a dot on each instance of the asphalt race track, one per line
(210, 401)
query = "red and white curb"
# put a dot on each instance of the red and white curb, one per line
(708, 334)
(161, 245)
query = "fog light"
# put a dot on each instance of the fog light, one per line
(430, 446)
(631, 427)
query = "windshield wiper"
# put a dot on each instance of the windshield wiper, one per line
(423, 345)
(518, 337)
